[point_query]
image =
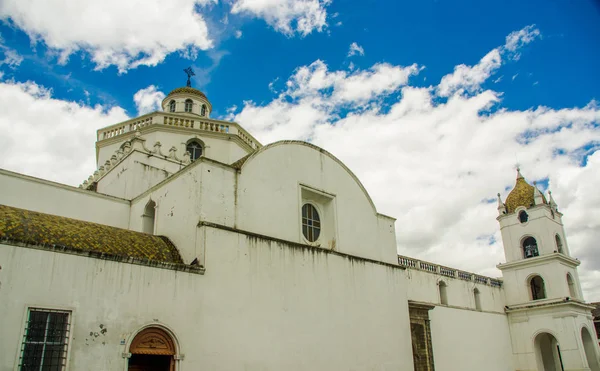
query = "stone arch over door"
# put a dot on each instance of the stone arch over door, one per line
(589, 348)
(547, 352)
(152, 349)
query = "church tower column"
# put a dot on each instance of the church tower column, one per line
(547, 314)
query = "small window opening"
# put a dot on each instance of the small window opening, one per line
(572, 289)
(45, 341)
(311, 223)
(530, 248)
(443, 293)
(188, 105)
(149, 217)
(203, 110)
(523, 217)
(195, 150)
(538, 290)
(477, 297)
(172, 106)
(559, 245)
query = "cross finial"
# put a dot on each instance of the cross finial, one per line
(189, 73)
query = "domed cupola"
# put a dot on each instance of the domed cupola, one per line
(187, 100)
(523, 194)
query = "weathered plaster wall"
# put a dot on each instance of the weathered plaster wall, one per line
(260, 306)
(423, 287)
(58, 199)
(270, 200)
(467, 340)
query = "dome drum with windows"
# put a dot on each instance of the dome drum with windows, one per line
(187, 100)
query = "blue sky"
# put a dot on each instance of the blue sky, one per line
(431, 103)
(435, 34)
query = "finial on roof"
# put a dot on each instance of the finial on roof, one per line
(519, 176)
(501, 206)
(551, 201)
(538, 197)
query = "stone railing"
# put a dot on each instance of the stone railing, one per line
(163, 118)
(407, 262)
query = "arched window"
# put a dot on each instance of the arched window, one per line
(195, 149)
(477, 297)
(149, 217)
(523, 217)
(188, 105)
(172, 106)
(443, 292)
(538, 289)
(311, 223)
(530, 248)
(559, 246)
(571, 284)
(203, 110)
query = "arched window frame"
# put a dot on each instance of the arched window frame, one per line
(523, 216)
(149, 217)
(537, 288)
(559, 244)
(572, 287)
(172, 106)
(443, 292)
(529, 251)
(195, 152)
(477, 298)
(188, 105)
(203, 110)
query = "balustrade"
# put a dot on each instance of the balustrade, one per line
(407, 262)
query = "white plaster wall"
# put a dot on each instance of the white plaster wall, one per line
(540, 225)
(260, 306)
(466, 340)
(269, 200)
(135, 174)
(423, 286)
(204, 192)
(58, 199)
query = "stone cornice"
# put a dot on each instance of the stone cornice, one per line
(539, 305)
(539, 260)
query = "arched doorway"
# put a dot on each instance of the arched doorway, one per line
(589, 347)
(153, 349)
(548, 353)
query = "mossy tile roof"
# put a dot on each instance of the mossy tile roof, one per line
(33, 228)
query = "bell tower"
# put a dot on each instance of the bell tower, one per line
(550, 323)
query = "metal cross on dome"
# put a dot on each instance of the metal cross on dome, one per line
(189, 73)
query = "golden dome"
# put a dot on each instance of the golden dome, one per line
(523, 194)
(187, 90)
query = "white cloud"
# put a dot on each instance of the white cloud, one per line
(355, 49)
(469, 78)
(433, 164)
(287, 16)
(148, 99)
(238, 34)
(47, 137)
(12, 59)
(125, 34)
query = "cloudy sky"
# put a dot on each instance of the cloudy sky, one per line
(432, 103)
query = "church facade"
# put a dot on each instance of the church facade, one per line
(195, 247)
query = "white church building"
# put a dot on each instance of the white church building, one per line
(194, 247)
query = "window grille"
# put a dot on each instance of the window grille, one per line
(45, 342)
(195, 150)
(188, 105)
(311, 223)
(172, 106)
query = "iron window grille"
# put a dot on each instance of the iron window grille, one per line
(45, 341)
(311, 223)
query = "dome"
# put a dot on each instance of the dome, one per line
(187, 90)
(523, 194)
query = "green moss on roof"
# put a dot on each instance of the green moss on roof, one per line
(30, 227)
